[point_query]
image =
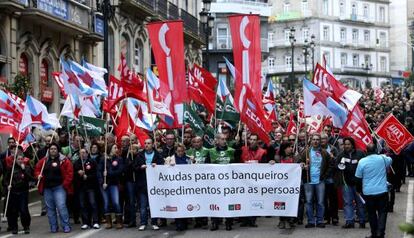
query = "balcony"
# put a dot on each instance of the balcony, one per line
(287, 68)
(162, 8)
(140, 8)
(242, 7)
(13, 5)
(362, 44)
(173, 12)
(68, 16)
(190, 22)
(353, 18)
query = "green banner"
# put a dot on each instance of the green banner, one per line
(227, 113)
(88, 126)
(208, 137)
(191, 117)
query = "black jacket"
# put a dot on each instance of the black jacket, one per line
(91, 170)
(141, 177)
(351, 164)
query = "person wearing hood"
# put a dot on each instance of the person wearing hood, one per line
(55, 173)
(19, 190)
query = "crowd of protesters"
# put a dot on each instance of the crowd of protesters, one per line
(92, 179)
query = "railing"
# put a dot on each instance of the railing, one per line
(287, 68)
(190, 22)
(355, 69)
(162, 8)
(247, 2)
(173, 12)
(358, 18)
(147, 3)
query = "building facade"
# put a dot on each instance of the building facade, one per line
(220, 44)
(353, 37)
(35, 34)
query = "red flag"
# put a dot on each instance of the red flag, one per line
(115, 94)
(167, 43)
(245, 36)
(253, 115)
(326, 81)
(204, 76)
(394, 133)
(133, 85)
(357, 128)
(378, 94)
(292, 129)
(201, 93)
(123, 127)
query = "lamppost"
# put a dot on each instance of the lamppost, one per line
(367, 67)
(208, 23)
(108, 12)
(312, 46)
(305, 51)
(292, 41)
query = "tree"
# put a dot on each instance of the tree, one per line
(20, 87)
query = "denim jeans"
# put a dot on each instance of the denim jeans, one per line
(88, 206)
(112, 193)
(131, 188)
(143, 212)
(377, 212)
(312, 190)
(331, 202)
(55, 198)
(349, 194)
(18, 205)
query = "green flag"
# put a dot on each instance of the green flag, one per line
(92, 126)
(191, 117)
(227, 113)
(208, 138)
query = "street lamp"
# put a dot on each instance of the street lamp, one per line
(367, 67)
(292, 41)
(305, 51)
(208, 24)
(108, 12)
(312, 46)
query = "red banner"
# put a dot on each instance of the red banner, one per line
(167, 43)
(204, 76)
(245, 36)
(394, 133)
(292, 129)
(254, 116)
(201, 93)
(357, 128)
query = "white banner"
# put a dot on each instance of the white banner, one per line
(233, 190)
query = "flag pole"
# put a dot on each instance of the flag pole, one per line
(106, 148)
(11, 176)
(150, 109)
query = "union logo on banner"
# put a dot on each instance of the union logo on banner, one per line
(394, 133)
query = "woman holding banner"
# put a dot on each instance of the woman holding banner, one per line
(55, 173)
(109, 173)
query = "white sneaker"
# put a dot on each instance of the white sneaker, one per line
(96, 226)
(84, 227)
(155, 227)
(141, 227)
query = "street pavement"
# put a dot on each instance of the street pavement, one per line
(267, 226)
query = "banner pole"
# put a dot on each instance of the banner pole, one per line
(11, 176)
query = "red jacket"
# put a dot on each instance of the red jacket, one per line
(10, 160)
(250, 155)
(66, 169)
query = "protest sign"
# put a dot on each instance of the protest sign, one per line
(233, 190)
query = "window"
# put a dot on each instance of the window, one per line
(125, 48)
(344, 59)
(23, 64)
(382, 14)
(286, 7)
(367, 60)
(326, 33)
(138, 57)
(343, 35)
(271, 62)
(383, 64)
(342, 8)
(325, 7)
(304, 7)
(367, 36)
(355, 36)
(287, 34)
(222, 37)
(44, 74)
(355, 60)
(366, 11)
(305, 33)
(383, 39)
(288, 61)
(327, 57)
(354, 9)
(270, 38)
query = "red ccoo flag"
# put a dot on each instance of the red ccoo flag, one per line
(357, 128)
(291, 129)
(394, 133)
